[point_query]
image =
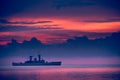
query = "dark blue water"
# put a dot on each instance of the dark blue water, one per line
(59, 73)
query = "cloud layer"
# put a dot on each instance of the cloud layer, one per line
(57, 20)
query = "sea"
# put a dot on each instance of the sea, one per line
(64, 72)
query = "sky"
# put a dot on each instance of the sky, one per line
(54, 21)
(58, 21)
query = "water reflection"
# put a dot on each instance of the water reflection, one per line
(61, 74)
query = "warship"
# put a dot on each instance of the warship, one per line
(36, 62)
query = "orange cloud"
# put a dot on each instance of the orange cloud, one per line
(62, 24)
(69, 24)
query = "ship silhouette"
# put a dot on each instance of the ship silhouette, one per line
(35, 62)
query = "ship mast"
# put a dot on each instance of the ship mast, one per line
(30, 58)
(39, 57)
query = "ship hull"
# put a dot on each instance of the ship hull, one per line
(37, 64)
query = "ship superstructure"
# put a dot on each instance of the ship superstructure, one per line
(37, 62)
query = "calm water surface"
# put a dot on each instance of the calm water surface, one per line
(59, 73)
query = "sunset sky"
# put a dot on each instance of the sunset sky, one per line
(60, 21)
(54, 21)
